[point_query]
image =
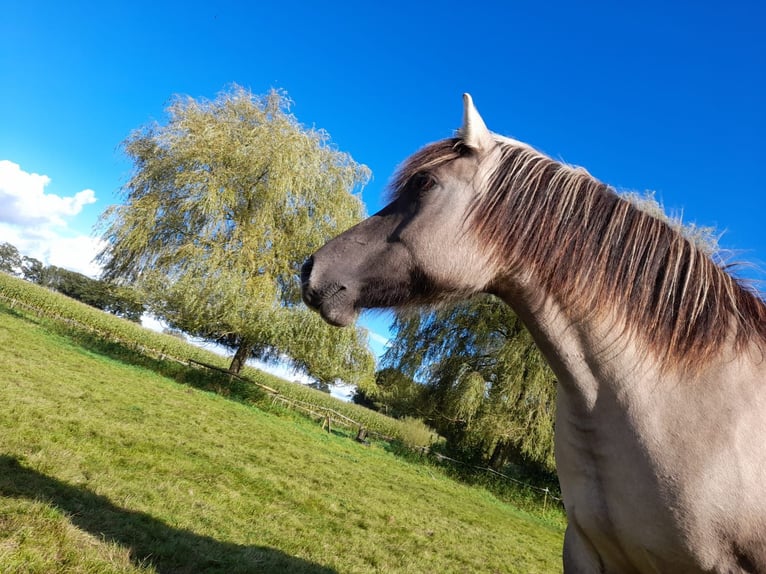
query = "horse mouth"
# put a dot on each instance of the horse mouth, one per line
(337, 317)
(332, 301)
(333, 306)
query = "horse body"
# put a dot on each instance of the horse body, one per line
(654, 474)
(659, 354)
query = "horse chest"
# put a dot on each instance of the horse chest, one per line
(663, 488)
(616, 512)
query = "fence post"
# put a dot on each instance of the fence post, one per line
(545, 500)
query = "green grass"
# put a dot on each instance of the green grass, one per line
(107, 466)
(130, 342)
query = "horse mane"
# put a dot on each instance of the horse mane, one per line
(600, 252)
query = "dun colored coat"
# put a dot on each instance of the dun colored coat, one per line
(659, 353)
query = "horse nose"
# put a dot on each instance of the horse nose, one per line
(307, 294)
(306, 271)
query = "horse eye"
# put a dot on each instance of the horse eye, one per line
(423, 182)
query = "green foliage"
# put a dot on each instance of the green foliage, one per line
(32, 269)
(124, 301)
(10, 259)
(224, 204)
(75, 285)
(313, 346)
(415, 433)
(82, 317)
(486, 386)
(394, 394)
(121, 300)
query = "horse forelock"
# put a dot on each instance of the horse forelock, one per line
(599, 251)
(425, 160)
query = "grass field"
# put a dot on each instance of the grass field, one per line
(107, 466)
(132, 343)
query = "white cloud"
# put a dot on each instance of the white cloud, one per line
(23, 200)
(75, 253)
(35, 221)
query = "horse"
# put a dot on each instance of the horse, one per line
(658, 351)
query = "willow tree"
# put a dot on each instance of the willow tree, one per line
(487, 388)
(224, 203)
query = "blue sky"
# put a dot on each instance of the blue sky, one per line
(663, 96)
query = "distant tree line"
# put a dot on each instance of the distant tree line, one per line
(121, 300)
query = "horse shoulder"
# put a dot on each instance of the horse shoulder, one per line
(668, 474)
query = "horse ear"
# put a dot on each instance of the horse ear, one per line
(474, 132)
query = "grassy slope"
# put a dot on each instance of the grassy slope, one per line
(108, 467)
(137, 345)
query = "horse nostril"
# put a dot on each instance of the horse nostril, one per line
(306, 270)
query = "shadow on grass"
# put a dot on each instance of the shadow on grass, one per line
(150, 541)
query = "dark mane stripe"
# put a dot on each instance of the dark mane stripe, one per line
(600, 253)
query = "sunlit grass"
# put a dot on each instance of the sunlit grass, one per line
(106, 334)
(109, 467)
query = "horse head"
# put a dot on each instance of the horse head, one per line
(420, 248)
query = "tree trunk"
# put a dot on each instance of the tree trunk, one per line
(500, 455)
(242, 355)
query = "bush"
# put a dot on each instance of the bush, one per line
(414, 433)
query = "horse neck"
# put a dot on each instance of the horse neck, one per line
(598, 254)
(590, 355)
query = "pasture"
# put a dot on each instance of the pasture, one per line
(107, 465)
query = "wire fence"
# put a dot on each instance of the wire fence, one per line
(547, 494)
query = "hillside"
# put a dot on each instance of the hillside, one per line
(107, 466)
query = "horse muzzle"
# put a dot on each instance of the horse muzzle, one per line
(331, 299)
